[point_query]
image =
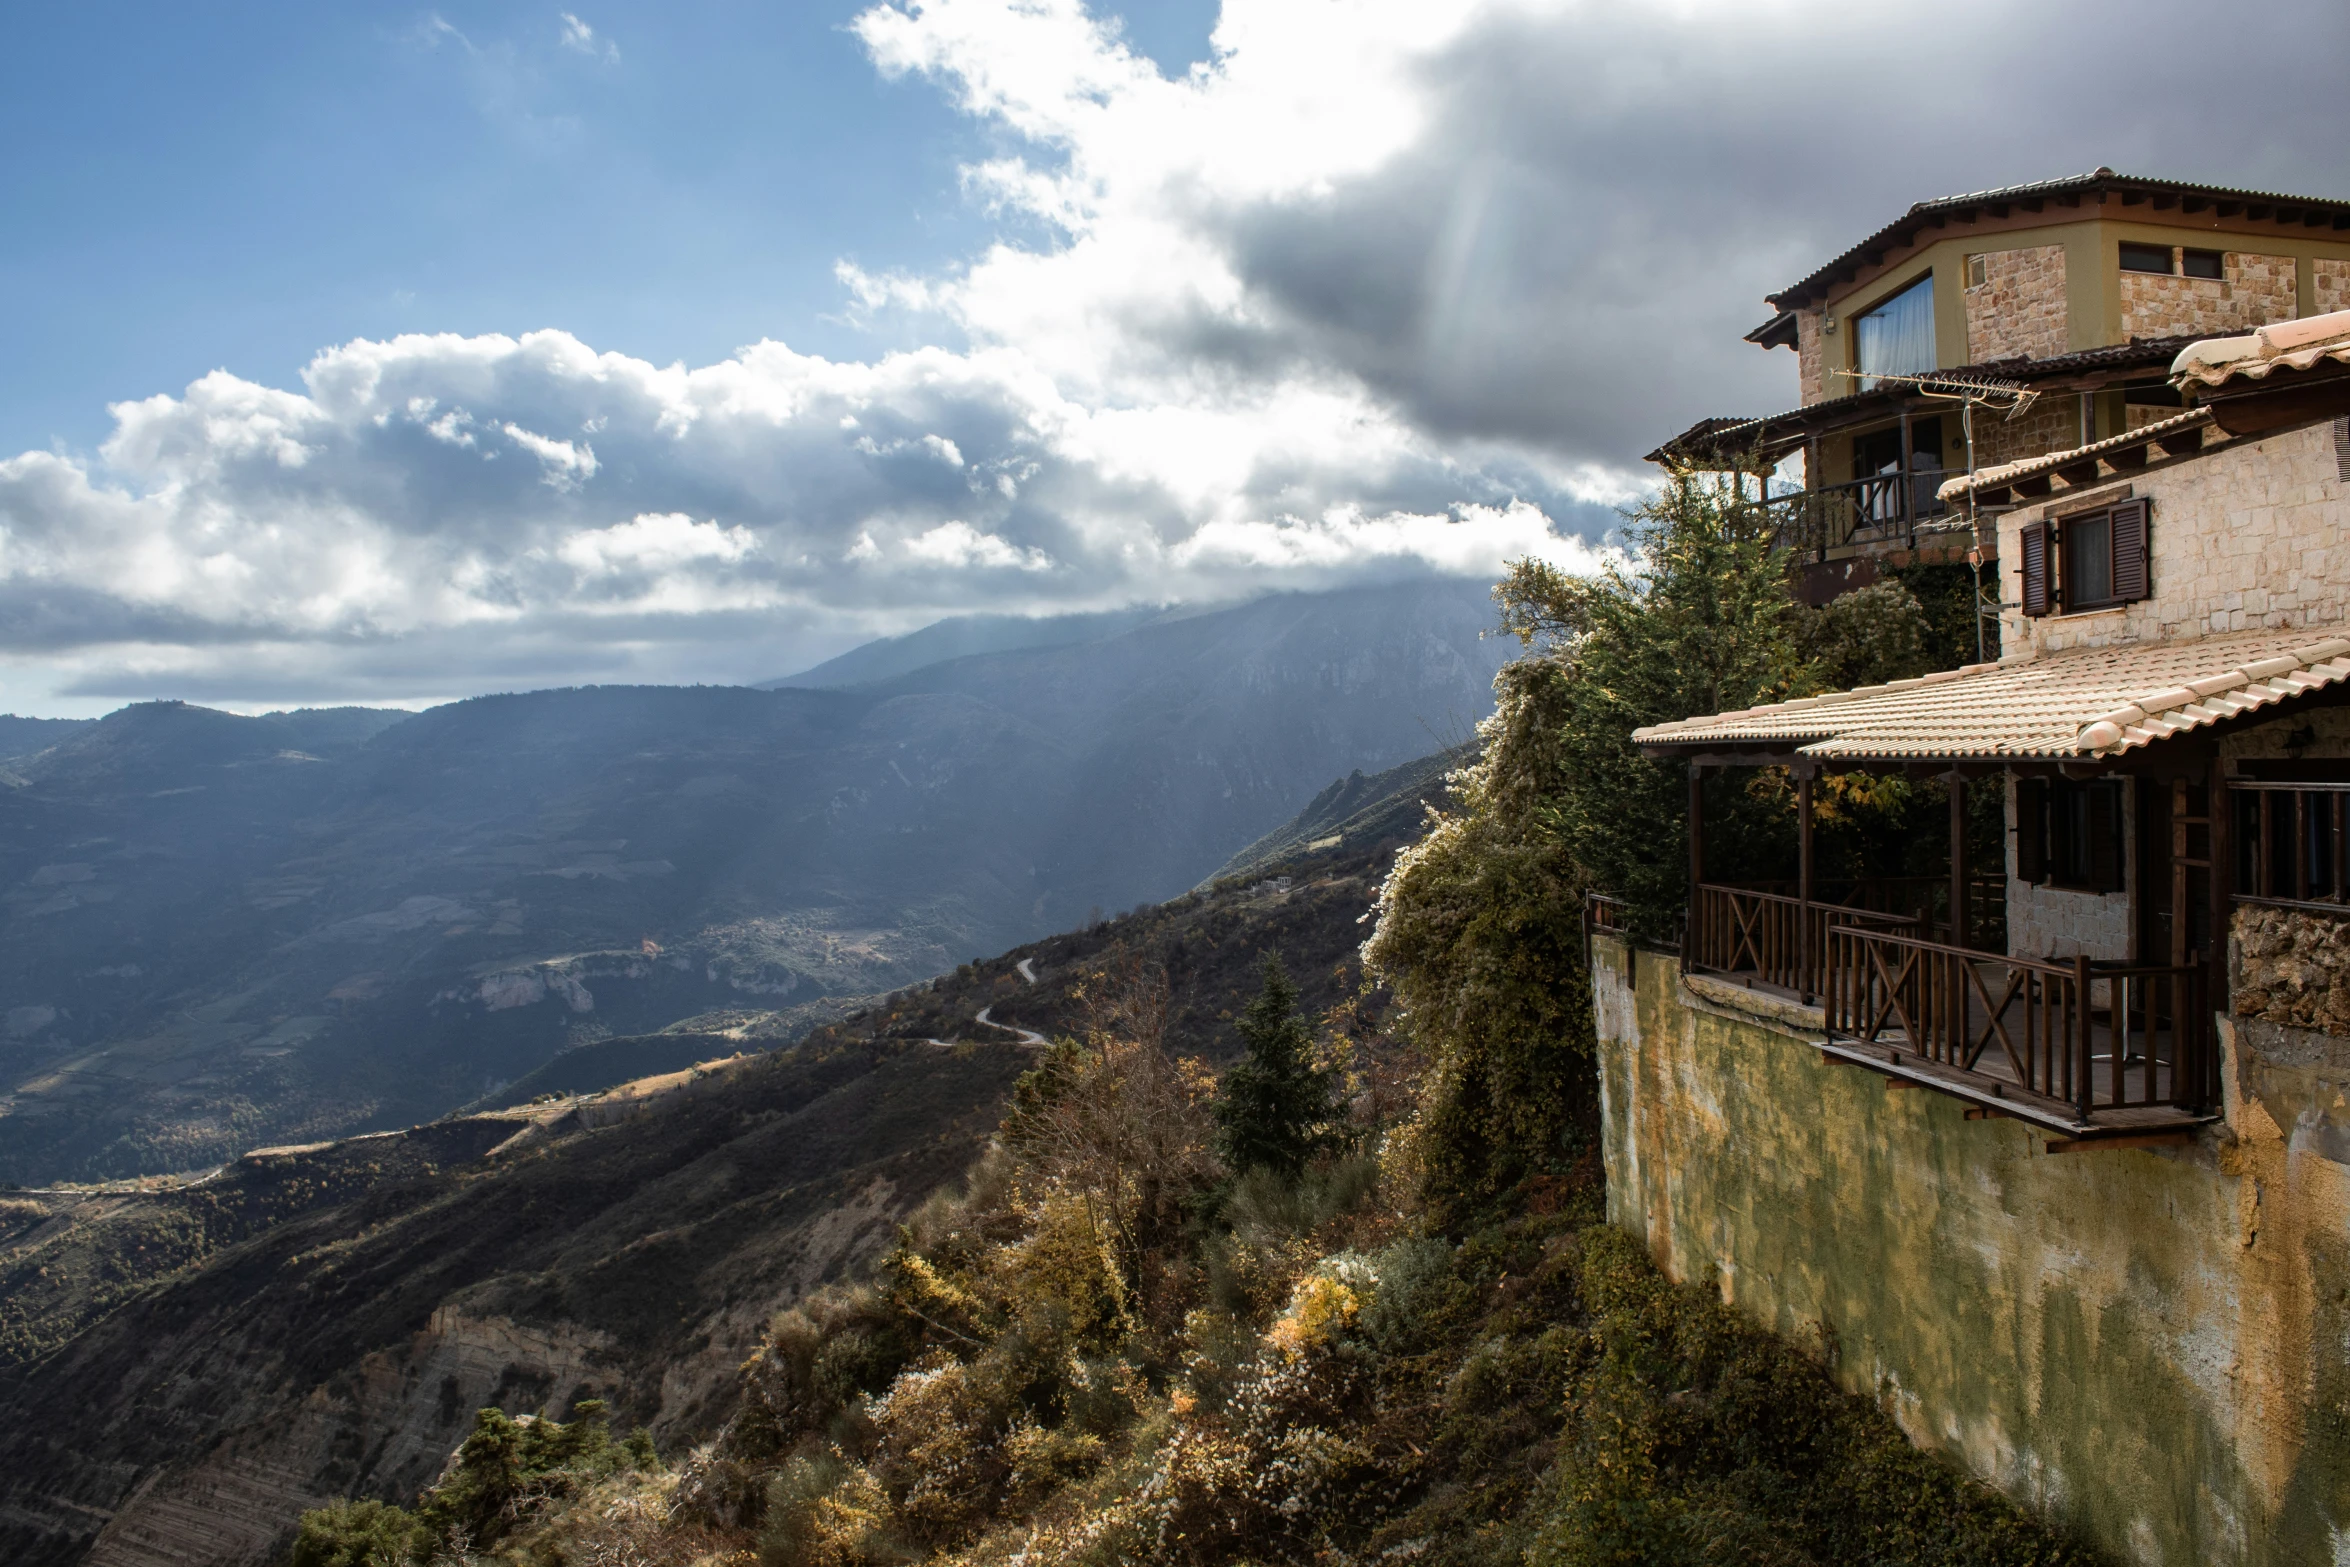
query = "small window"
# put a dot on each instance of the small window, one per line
(2099, 559)
(2070, 834)
(2202, 263)
(2146, 258)
(1978, 271)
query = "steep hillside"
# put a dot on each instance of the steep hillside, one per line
(1388, 808)
(346, 1309)
(219, 931)
(198, 1361)
(24, 736)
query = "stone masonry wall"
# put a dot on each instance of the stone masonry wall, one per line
(1808, 358)
(2329, 282)
(2019, 307)
(2151, 1346)
(2245, 539)
(2052, 424)
(2251, 291)
(2292, 967)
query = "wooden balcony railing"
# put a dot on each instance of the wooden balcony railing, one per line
(2095, 1038)
(1775, 936)
(1858, 511)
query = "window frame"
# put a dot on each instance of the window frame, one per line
(1923, 281)
(2219, 264)
(2170, 259)
(2073, 835)
(2050, 578)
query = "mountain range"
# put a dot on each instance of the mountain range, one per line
(222, 931)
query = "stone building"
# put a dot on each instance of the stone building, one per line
(2052, 1158)
(2078, 291)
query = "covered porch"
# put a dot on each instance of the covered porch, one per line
(2101, 1031)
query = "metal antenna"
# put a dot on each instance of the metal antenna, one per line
(1970, 391)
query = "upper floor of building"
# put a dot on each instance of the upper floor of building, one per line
(2037, 272)
(2074, 295)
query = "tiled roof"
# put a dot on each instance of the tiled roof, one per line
(2281, 345)
(2008, 473)
(2095, 702)
(2311, 211)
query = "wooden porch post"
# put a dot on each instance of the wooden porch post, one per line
(1696, 830)
(1908, 521)
(1804, 956)
(1958, 876)
(2221, 880)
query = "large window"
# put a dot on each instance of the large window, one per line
(1897, 338)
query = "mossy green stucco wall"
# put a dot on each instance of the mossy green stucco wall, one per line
(2152, 1346)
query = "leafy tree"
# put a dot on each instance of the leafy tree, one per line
(354, 1534)
(1697, 618)
(1273, 1110)
(1480, 923)
(507, 1468)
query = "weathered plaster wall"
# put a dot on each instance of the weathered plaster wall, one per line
(2249, 538)
(2151, 1345)
(2252, 290)
(2019, 307)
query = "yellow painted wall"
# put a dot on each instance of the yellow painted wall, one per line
(2152, 1346)
(2092, 276)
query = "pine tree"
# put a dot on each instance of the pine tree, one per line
(1273, 1110)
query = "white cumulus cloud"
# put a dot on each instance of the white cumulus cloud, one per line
(1377, 288)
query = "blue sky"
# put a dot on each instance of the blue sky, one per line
(235, 186)
(393, 354)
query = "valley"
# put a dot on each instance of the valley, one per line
(226, 932)
(186, 1366)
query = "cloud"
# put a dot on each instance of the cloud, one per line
(1376, 289)
(580, 38)
(435, 514)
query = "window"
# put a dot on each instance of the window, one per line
(1897, 338)
(1978, 271)
(2146, 258)
(2202, 263)
(2070, 834)
(2290, 843)
(2094, 560)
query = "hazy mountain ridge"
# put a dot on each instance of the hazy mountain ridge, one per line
(223, 931)
(961, 637)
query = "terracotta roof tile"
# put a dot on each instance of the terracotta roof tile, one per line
(2093, 702)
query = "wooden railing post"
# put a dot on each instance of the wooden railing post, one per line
(1803, 887)
(2085, 1090)
(1958, 876)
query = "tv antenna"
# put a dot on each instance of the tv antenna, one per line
(2008, 399)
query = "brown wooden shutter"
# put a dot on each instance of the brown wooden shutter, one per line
(2036, 595)
(2105, 837)
(2129, 551)
(2031, 829)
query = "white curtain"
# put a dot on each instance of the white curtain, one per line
(1897, 338)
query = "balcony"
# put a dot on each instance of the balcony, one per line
(1878, 510)
(2084, 1050)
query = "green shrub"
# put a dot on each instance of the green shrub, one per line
(354, 1534)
